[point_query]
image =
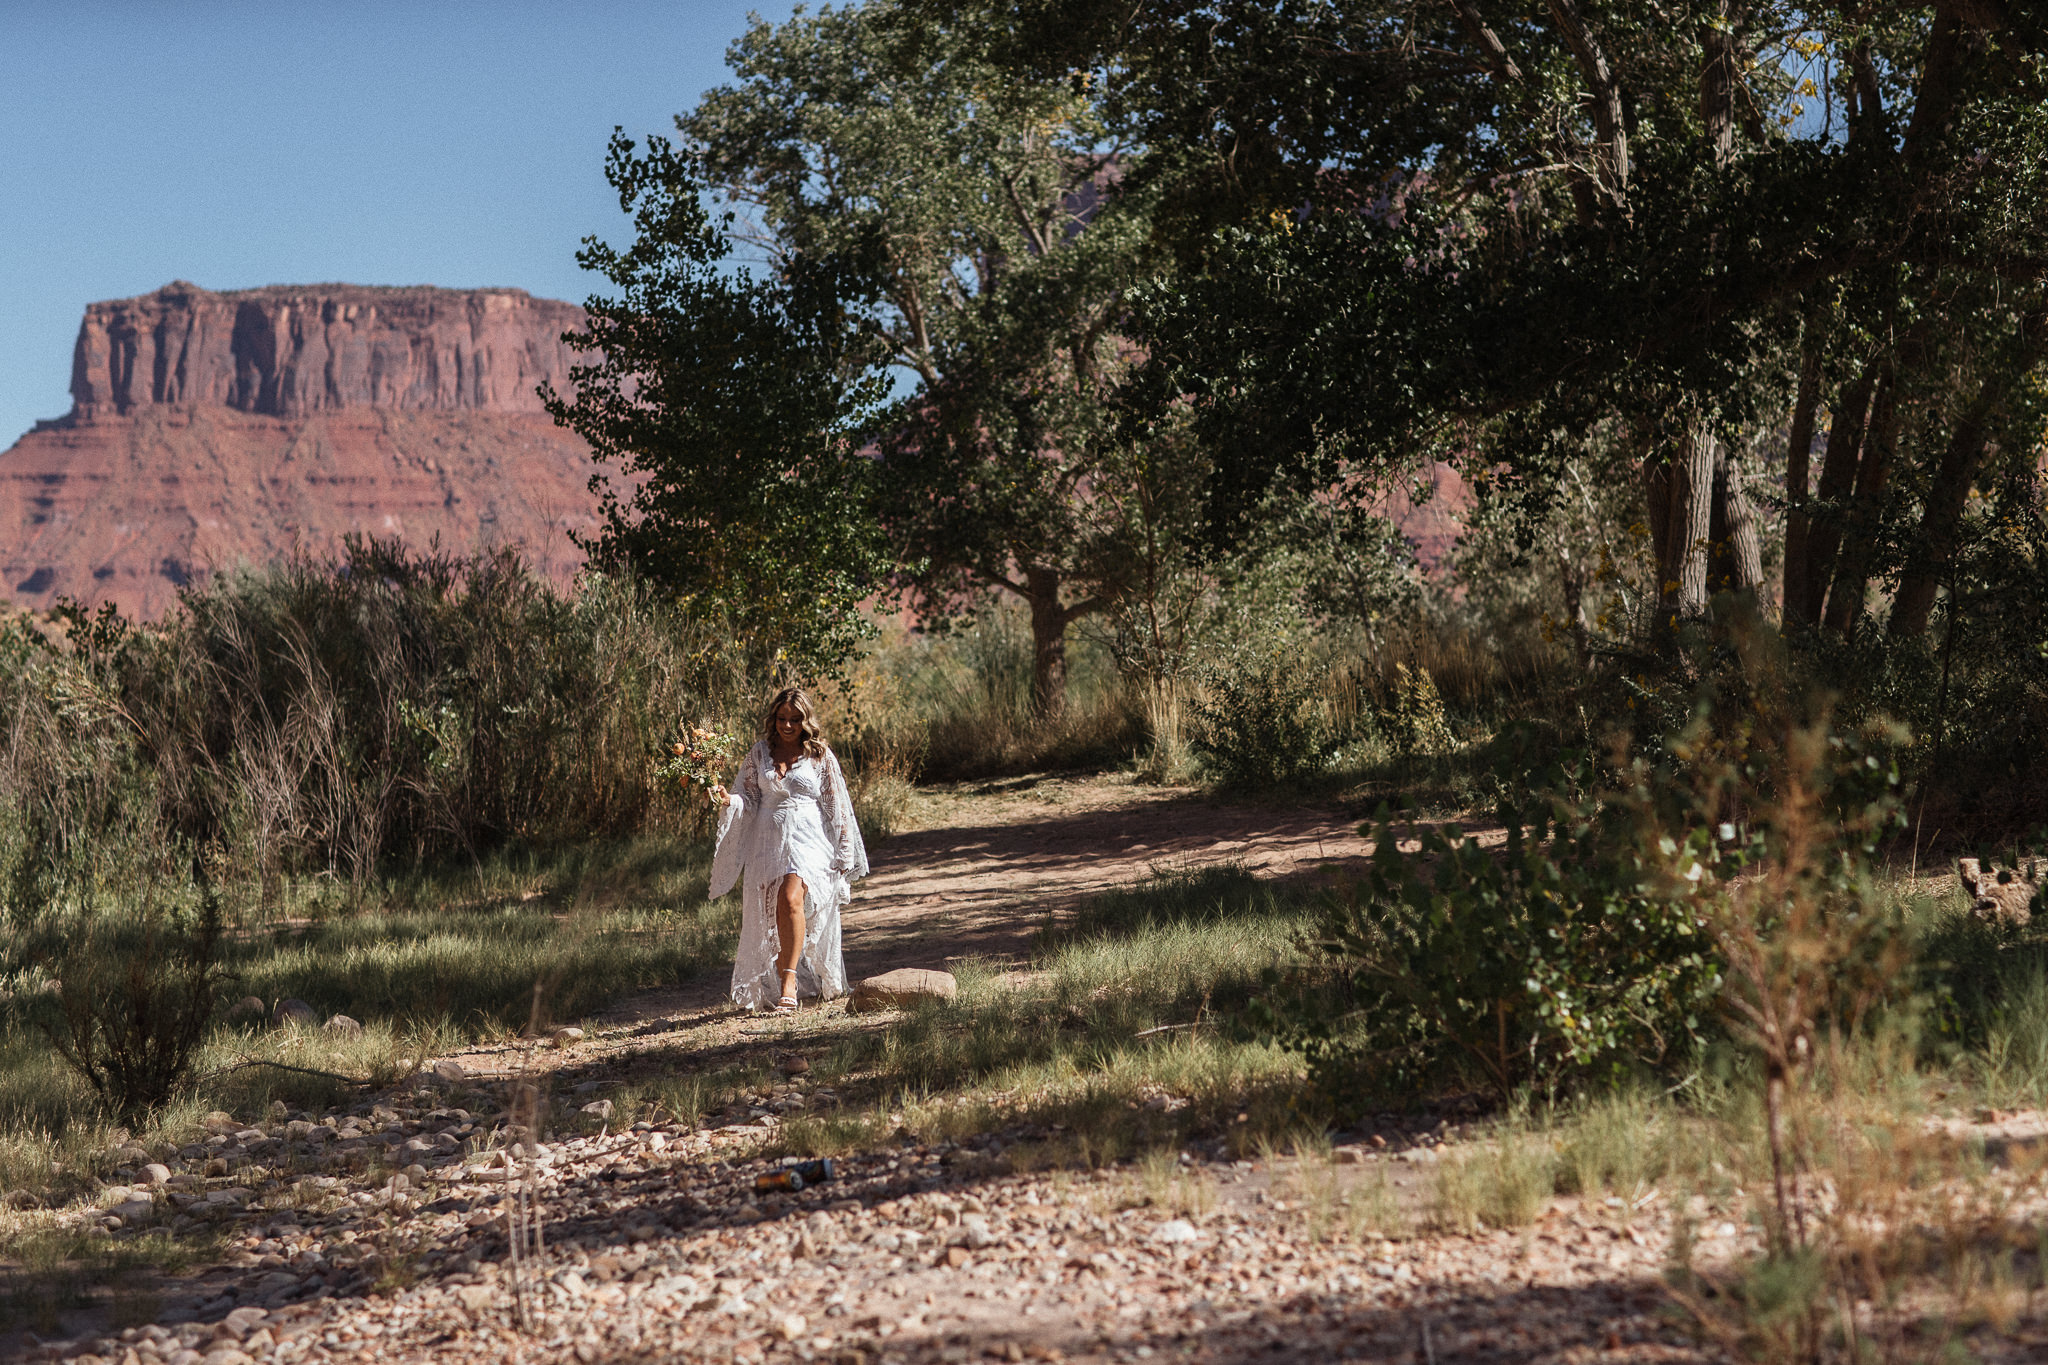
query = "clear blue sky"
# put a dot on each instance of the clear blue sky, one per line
(240, 144)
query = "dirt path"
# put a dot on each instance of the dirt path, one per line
(992, 862)
(1002, 858)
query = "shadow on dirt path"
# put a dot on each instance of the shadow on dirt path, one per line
(995, 862)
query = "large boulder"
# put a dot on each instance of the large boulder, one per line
(904, 986)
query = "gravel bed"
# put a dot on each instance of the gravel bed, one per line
(657, 1247)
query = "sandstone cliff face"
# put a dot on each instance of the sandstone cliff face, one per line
(291, 350)
(216, 429)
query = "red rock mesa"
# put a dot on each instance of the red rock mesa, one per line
(210, 429)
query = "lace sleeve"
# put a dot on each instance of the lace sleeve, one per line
(849, 853)
(749, 778)
(733, 824)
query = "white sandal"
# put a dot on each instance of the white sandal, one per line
(787, 1004)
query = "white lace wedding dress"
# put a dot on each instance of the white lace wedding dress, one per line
(801, 822)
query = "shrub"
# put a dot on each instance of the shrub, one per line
(1575, 950)
(1415, 722)
(134, 998)
(1262, 724)
(338, 717)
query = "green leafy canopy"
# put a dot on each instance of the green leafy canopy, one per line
(733, 408)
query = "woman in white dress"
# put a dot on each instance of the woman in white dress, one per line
(787, 836)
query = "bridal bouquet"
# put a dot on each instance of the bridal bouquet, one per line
(701, 758)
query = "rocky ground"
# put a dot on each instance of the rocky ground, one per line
(385, 1234)
(386, 1231)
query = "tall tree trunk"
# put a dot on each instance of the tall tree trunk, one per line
(1873, 474)
(1737, 551)
(1688, 518)
(1719, 80)
(1949, 490)
(1798, 476)
(1048, 643)
(1837, 476)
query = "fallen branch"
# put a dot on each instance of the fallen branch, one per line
(1164, 1028)
(248, 1062)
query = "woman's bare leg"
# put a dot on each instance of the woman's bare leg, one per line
(789, 926)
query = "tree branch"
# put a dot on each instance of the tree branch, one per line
(1607, 115)
(248, 1062)
(1497, 59)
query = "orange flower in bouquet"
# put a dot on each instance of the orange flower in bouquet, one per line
(700, 757)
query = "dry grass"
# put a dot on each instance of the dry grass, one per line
(1174, 1184)
(1505, 1181)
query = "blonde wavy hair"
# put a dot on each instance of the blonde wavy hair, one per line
(814, 738)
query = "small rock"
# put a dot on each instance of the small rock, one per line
(1349, 1156)
(243, 1320)
(277, 1283)
(157, 1173)
(295, 1012)
(227, 1355)
(248, 1008)
(450, 1070)
(218, 1121)
(790, 1326)
(904, 986)
(415, 1173)
(565, 1035)
(1175, 1230)
(343, 1026)
(129, 1156)
(957, 1257)
(133, 1211)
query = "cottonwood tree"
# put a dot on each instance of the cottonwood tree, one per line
(1491, 227)
(988, 216)
(733, 405)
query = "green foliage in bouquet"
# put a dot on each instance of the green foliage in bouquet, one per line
(698, 759)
